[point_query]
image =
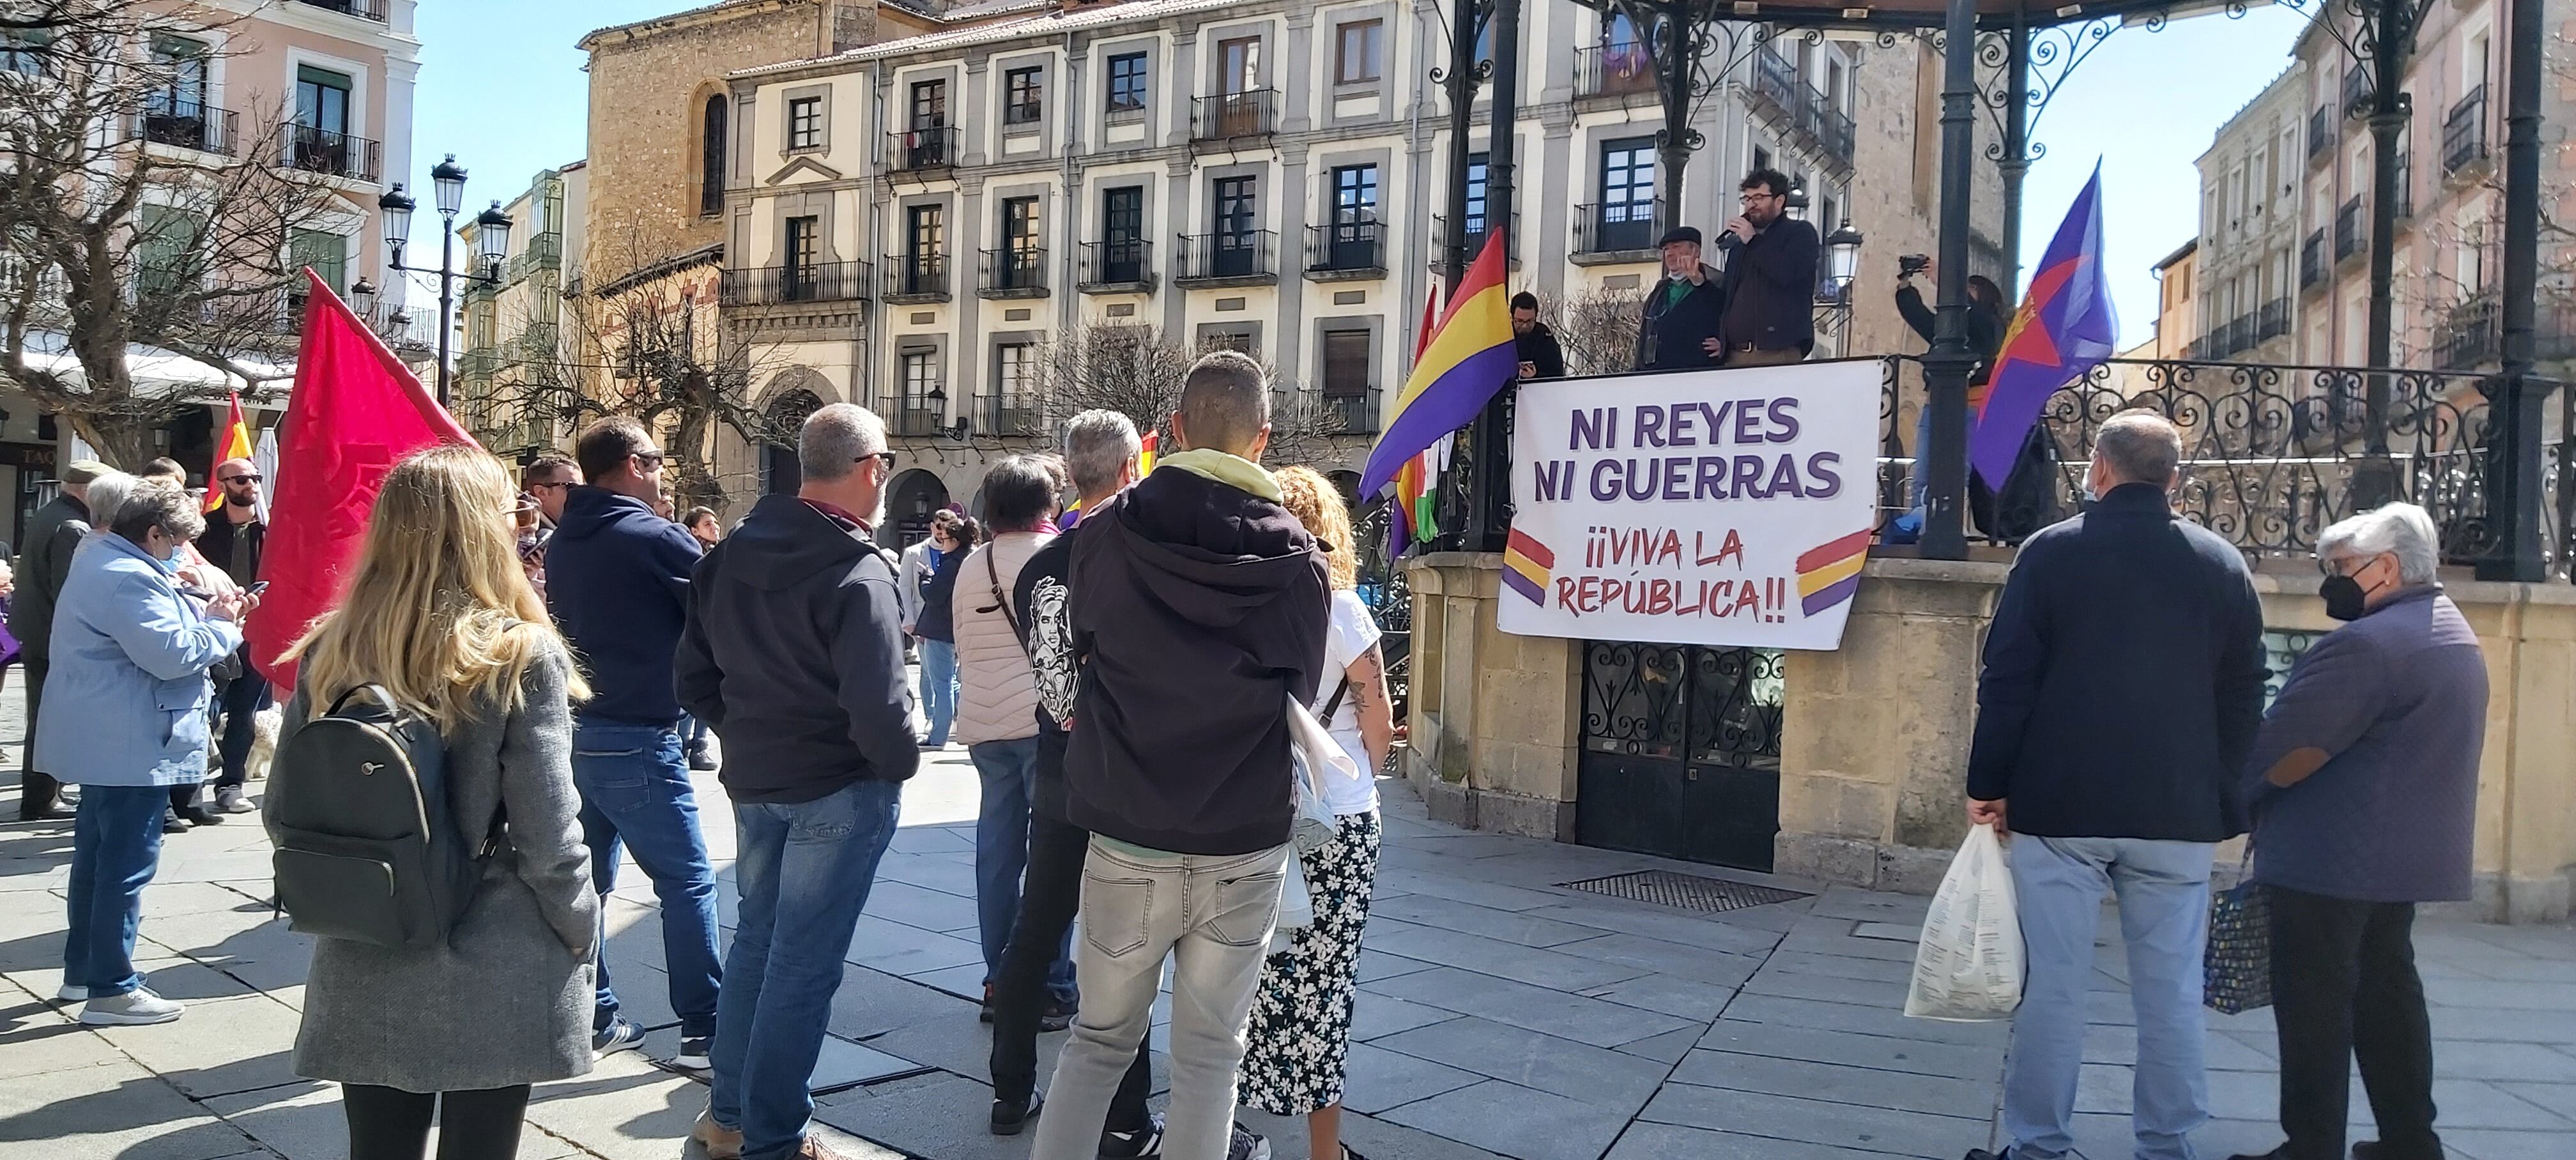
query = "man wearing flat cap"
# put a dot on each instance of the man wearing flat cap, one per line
(53, 533)
(1684, 312)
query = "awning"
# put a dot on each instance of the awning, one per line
(164, 374)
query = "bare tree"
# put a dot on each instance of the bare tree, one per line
(1598, 332)
(133, 215)
(1137, 372)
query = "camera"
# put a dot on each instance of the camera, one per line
(1908, 265)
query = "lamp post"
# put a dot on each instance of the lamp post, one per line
(491, 244)
(1833, 295)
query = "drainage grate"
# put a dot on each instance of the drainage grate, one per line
(1683, 891)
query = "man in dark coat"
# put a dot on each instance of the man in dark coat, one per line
(1770, 277)
(1533, 343)
(53, 533)
(1680, 318)
(2123, 683)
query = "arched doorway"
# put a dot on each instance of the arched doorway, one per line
(779, 472)
(909, 503)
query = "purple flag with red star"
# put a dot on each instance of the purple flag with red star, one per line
(2063, 330)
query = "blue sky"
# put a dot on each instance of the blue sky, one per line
(502, 88)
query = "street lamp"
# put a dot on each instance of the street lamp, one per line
(1842, 256)
(491, 244)
(1797, 203)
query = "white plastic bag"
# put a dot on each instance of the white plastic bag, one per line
(1314, 756)
(1296, 906)
(1969, 965)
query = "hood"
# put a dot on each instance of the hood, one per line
(1210, 551)
(590, 511)
(784, 542)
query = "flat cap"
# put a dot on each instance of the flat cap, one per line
(1680, 234)
(83, 472)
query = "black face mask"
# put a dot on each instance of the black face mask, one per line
(2344, 597)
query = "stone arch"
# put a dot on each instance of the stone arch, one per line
(793, 395)
(910, 500)
(710, 137)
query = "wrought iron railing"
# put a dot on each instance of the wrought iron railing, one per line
(1477, 229)
(2273, 320)
(2357, 89)
(1009, 414)
(917, 275)
(2471, 334)
(1126, 262)
(818, 282)
(1014, 270)
(1228, 254)
(1389, 597)
(2464, 132)
(189, 125)
(362, 9)
(1801, 106)
(1351, 412)
(1344, 246)
(2351, 231)
(1230, 115)
(2321, 134)
(1608, 70)
(929, 147)
(332, 154)
(2312, 259)
(1616, 226)
(916, 418)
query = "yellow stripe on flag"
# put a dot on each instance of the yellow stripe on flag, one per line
(1831, 574)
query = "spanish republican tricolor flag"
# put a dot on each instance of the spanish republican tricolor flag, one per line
(1470, 357)
(234, 445)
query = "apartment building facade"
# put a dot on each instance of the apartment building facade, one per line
(519, 330)
(2241, 279)
(910, 224)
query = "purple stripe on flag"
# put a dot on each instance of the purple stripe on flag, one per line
(1824, 598)
(1450, 402)
(1526, 587)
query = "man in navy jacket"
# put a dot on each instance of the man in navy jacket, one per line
(617, 581)
(2123, 685)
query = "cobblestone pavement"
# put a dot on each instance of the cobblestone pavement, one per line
(1500, 1015)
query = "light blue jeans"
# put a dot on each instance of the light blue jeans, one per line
(938, 688)
(2163, 888)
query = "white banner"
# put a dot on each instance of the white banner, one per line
(1729, 507)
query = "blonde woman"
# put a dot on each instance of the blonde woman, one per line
(441, 616)
(1301, 1018)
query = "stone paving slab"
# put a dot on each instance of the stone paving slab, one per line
(1577, 1071)
(1841, 1125)
(1510, 1120)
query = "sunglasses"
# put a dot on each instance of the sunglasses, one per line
(245, 477)
(884, 457)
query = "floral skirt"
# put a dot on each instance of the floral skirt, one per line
(1301, 1017)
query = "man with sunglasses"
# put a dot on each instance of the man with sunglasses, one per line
(617, 581)
(232, 542)
(1770, 279)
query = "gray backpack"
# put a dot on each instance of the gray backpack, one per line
(367, 844)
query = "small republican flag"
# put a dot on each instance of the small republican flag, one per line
(1527, 565)
(1829, 573)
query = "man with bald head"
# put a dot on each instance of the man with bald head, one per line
(1199, 608)
(232, 542)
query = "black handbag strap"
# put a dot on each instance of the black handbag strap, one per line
(993, 576)
(1324, 716)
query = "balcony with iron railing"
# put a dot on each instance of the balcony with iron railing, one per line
(1018, 271)
(1351, 412)
(543, 251)
(1622, 228)
(1009, 414)
(2273, 320)
(1805, 110)
(1614, 70)
(912, 278)
(362, 9)
(915, 150)
(318, 150)
(2240, 333)
(1229, 258)
(915, 418)
(1125, 266)
(783, 285)
(2464, 132)
(2357, 90)
(1230, 115)
(189, 125)
(2351, 230)
(2312, 260)
(1477, 229)
(2321, 135)
(1346, 250)
(2471, 333)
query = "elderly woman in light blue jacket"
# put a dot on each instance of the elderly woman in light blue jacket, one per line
(130, 653)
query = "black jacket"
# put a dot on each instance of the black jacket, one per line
(1669, 335)
(936, 620)
(617, 581)
(2123, 679)
(235, 548)
(1045, 601)
(53, 534)
(1771, 289)
(794, 655)
(1539, 347)
(1199, 610)
(1985, 331)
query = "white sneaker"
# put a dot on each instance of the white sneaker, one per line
(71, 993)
(135, 1007)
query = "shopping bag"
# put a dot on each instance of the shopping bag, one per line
(1314, 756)
(1968, 966)
(2236, 967)
(1296, 908)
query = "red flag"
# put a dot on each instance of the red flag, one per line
(355, 411)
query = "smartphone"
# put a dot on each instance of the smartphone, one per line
(257, 588)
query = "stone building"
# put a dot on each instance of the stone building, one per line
(519, 334)
(914, 223)
(2246, 265)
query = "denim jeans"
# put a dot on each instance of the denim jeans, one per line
(938, 688)
(804, 869)
(1212, 916)
(116, 845)
(635, 791)
(1002, 857)
(2163, 888)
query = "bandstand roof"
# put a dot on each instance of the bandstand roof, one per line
(1894, 14)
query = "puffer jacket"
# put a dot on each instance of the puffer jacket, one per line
(998, 698)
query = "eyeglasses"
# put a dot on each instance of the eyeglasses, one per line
(648, 460)
(545, 486)
(884, 457)
(1750, 198)
(2344, 565)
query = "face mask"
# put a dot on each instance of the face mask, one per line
(2344, 598)
(170, 563)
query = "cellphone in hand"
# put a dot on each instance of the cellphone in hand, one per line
(257, 588)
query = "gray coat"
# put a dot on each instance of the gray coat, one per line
(53, 534)
(508, 1000)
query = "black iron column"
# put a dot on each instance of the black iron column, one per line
(1675, 41)
(1491, 435)
(2513, 488)
(2375, 481)
(1461, 81)
(2015, 164)
(1946, 366)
